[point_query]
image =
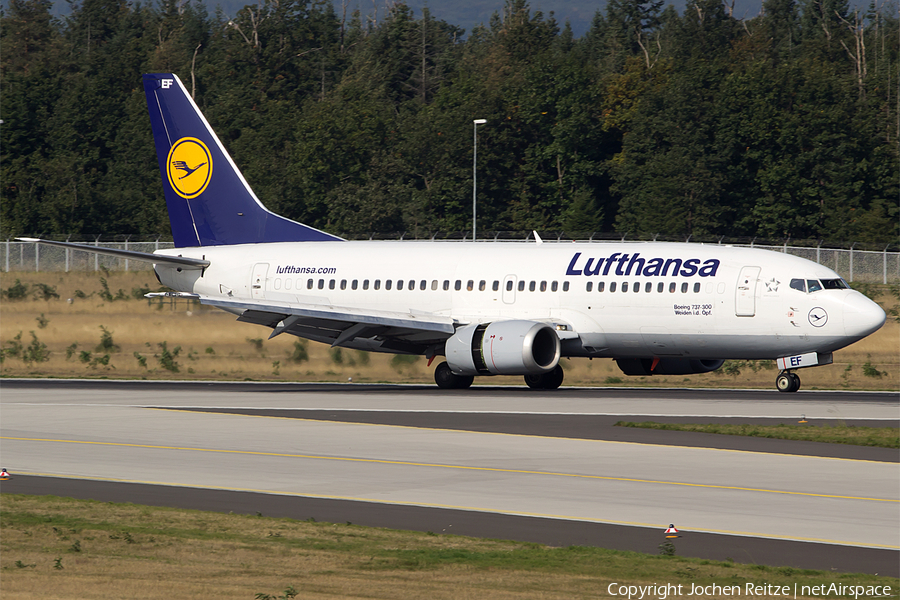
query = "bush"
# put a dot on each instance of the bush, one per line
(870, 370)
(300, 353)
(36, 351)
(106, 341)
(16, 291)
(44, 291)
(166, 358)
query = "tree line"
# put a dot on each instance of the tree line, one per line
(697, 125)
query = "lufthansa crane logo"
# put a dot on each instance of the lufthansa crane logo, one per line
(818, 317)
(189, 167)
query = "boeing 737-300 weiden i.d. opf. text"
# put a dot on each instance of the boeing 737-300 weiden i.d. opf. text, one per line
(488, 308)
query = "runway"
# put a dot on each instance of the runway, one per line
(511, 463)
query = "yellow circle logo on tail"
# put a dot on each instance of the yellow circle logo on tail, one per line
(189, 167)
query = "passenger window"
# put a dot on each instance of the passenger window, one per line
(458, 285)
(543, 286)
(321, 284)
(624, 286)
(399, 284)
(697, 288)
(588, 286)
(424, 284)
(600, 286)
(509, 285)
(660, 287)
(813, 285)
(287, 284)
(612, 286)
(331, 284)
(684, 288)
(377, 284)
(482, 285)
(412, 285)
(388, 283)
(648, 287)
(637, 287)
(798, 284)
(470, 285)
(672, 288)
(496, 286)
(565, 286)
(446, 285)
(309, 284)
(531, 286)
(554, 286)
(354, 284)
(365, 284)
(278, 284)
(522, 286)
(434, 285)
(343, 284)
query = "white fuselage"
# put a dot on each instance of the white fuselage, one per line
(614, 299)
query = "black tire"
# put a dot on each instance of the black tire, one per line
(554, 378)
(444, 377)
(785, 382)
(464, 382)
(796, 382)
(535, 382)
(546, 381)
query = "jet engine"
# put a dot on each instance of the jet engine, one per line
(503, 348)
(667, 366)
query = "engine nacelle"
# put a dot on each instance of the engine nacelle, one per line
(503, 348)
(667, 366)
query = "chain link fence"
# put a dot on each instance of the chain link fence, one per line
(853, 265)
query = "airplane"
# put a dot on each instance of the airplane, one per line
(487, 308)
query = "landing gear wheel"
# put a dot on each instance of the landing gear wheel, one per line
(447, 380)
(787, 382)
(535, 382)
(546, 381)
(554, 378)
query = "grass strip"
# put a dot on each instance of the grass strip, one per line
(882, 437)
(61, 547)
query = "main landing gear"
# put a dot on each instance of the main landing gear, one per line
(546, 381)
(448, 380)
(787, 382)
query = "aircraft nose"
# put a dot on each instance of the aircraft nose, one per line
(862, 316)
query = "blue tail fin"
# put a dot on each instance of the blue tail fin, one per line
(208, 199)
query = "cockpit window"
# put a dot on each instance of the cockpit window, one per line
(813, 285)
(798, 284)
(835, 284)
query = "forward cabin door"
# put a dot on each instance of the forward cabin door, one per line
(745, 295)
(258, 281)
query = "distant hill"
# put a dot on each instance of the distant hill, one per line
(470, 13)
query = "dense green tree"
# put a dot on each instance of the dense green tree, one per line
(653, 122)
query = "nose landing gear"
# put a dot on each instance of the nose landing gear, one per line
(787, 382)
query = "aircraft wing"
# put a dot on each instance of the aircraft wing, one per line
(342, 326)
(159, 259)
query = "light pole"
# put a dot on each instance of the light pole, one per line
(475, 125)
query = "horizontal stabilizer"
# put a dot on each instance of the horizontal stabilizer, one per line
(159, 259)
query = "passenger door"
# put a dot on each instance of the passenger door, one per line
(258, 280)
(745, 294)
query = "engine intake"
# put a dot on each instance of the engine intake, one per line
(503, 348)
(667, 366)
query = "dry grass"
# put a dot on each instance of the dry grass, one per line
(129, 551)
(213, 346)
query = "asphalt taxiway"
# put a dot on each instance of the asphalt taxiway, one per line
(495, 462)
